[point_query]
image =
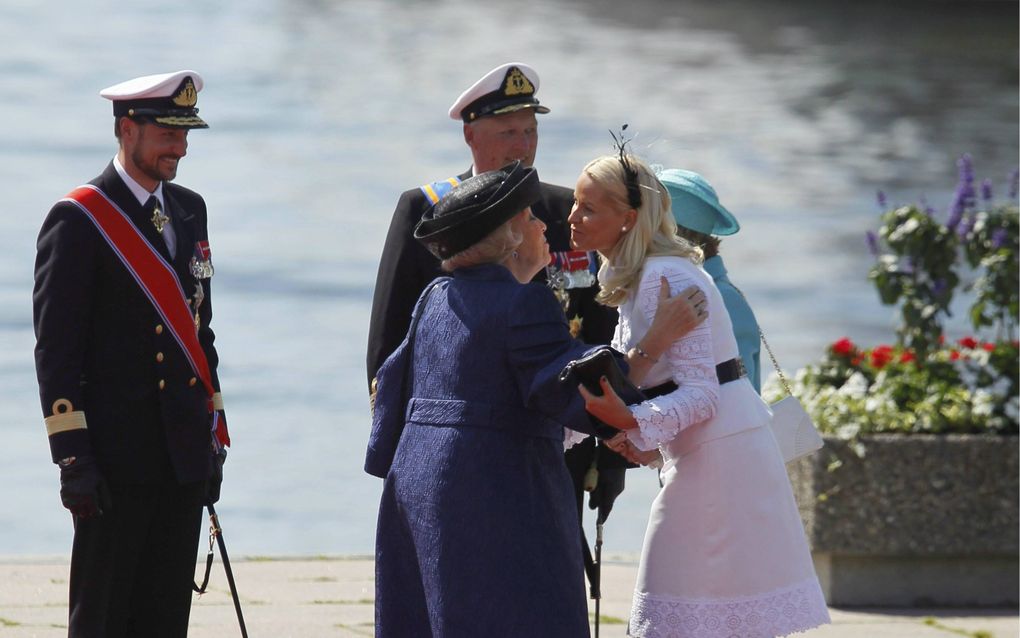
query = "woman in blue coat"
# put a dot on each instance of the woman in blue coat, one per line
(477, 531)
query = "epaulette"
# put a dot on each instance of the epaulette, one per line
(437, 190)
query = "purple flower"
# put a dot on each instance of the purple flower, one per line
(938, 287)
(965, 225)
(963, 198)
(999, 238)
(966, 168)
(881, 199)
(986, 189)
(872, 239)
(907, 266)
(1014, 182)
(955, 215)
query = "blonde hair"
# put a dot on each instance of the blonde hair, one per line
(652, 235)
(491, 249)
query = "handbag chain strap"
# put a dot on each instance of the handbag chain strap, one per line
(765, 342)
(775, 364)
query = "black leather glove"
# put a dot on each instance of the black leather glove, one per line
(212, 494)
(610, 485)
(82, 488)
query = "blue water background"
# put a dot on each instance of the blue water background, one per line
(322, 112)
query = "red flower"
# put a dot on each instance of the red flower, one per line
(968, 342)
(880, 356)
(942, 339)
(907, 356)
(954, 355)
(844, 347)
(856, 361)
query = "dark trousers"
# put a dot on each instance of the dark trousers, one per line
(132, 567)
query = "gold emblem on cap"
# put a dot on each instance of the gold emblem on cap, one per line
(187, 96)
(516, 83)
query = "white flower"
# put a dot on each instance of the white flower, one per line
(879, 403)
(856, 387)
(983, 402)
(979, 356)
(848, 430)
(904, 229)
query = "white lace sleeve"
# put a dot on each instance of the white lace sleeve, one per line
(691, 364)
(572, 438)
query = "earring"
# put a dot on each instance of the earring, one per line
(514, 254)
(623, 230)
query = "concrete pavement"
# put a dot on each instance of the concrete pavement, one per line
(304, 597)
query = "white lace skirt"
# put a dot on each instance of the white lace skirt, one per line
(725, 553)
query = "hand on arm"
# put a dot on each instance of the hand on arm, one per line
(674, 318)
(691, 365)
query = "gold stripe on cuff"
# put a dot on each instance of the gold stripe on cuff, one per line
(217, 401)
(65, 421)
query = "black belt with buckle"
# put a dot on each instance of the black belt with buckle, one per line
(726, 371)
(730, 370)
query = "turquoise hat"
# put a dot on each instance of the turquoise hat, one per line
(695, 204)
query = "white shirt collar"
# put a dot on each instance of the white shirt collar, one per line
(137, 189)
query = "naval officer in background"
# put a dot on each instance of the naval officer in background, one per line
(127, 368)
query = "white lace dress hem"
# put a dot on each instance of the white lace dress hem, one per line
(782, 612)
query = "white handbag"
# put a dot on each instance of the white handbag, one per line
(791, 425)
(793, 429)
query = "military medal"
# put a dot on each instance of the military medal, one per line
(159, 220)
(201, 261)
(558, 283)
(573, 269)
(197, 299)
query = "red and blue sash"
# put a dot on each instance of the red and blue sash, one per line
(156, 279)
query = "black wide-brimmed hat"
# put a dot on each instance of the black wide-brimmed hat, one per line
(476, 207)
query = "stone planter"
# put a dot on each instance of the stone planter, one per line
(920, 520)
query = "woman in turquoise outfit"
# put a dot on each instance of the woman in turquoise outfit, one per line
(701, 219)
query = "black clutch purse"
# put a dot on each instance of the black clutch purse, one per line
(589, 369)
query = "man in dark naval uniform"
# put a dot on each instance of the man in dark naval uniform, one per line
(127, 369)
(498, 114)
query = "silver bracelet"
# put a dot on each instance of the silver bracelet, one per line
(642, 353)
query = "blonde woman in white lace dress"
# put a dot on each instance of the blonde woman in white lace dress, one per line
(725, 553)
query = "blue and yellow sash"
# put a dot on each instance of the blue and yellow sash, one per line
(437, 190)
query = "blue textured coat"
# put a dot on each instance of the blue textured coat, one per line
(477, 532)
